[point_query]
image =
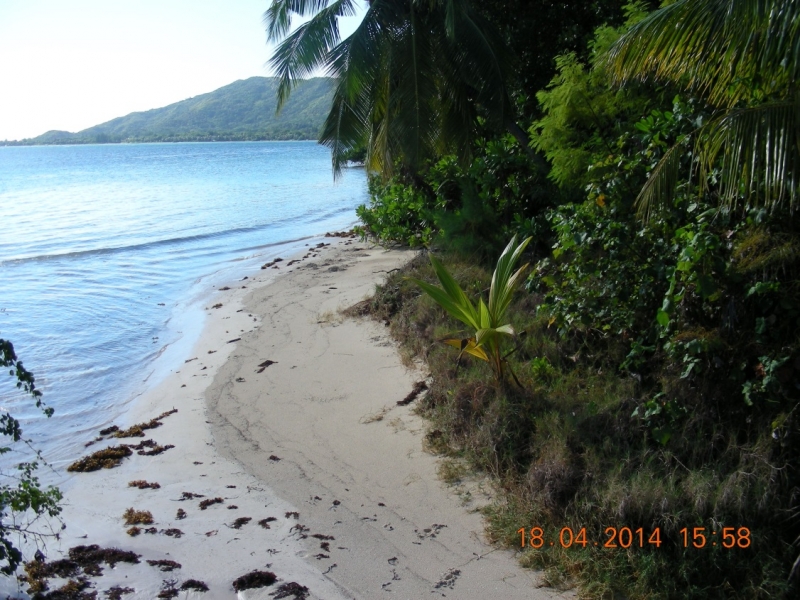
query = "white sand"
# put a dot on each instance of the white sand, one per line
(397, 530)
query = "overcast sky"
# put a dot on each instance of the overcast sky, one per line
(71, 64)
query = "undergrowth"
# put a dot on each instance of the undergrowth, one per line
(572, 448)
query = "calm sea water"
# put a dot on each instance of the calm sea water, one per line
(107, 253)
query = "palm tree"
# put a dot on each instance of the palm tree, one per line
(743, 58)
(411, 80)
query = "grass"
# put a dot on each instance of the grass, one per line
(567, 450)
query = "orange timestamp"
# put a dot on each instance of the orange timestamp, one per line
(729, 537)
(626, 537)
(622, 537)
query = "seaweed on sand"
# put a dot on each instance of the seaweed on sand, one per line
(138, 517)
(254, 579)
(116, 592)
(107, 458)
(291, 589)
(265, 522)
(194, 584)
(143, 485)
(164, 565)
(204, 504)
(238, 523)
(90, 557)
(139, 429)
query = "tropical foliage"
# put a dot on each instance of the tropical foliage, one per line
(742, 57)
(487, 320)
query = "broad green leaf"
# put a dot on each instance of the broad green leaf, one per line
(464, 313)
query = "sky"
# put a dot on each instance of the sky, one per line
(72, 64)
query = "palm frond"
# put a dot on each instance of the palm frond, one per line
(503, 282)
(660, 187)
(307, 48)
(758, 152)
(720, 49)
(409, 77)
(413, 93)
(358, 71)
(344, 127)
(278, 17)
(485, 59)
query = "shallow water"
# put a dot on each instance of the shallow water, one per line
(108, 251)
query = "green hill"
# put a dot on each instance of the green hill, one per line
(243, 110)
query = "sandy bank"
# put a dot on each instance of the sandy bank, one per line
(288, 412)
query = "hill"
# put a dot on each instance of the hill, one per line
(242, 110)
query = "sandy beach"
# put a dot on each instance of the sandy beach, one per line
(289, 455)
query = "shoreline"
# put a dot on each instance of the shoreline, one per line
(313, 432)
(178, 332)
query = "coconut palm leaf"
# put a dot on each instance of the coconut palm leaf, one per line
(719, 49)
(307, 48)
(410, 77)
(486, 320)
(278, 17)
(758, 152)
(450, 296)
(659, 189)
(503, 282)
(742, 56)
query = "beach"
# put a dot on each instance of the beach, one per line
(288, 453)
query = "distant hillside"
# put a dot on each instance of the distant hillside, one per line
(243, 110)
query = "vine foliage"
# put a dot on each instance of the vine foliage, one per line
(23, 500)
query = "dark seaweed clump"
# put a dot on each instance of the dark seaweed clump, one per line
(291, 590)
(194, 584)
(116, 592)
(265, 522)
(86, 556)
(206, 503)
(164, 565)
(238, 523)
(254, 579)
(168, 589)
(154, 450)
(173, 532)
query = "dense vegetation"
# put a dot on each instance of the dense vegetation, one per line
(658, 352)
(243, 110)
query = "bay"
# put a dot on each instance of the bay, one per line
(108, 252)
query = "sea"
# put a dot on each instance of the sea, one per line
(108, 254)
